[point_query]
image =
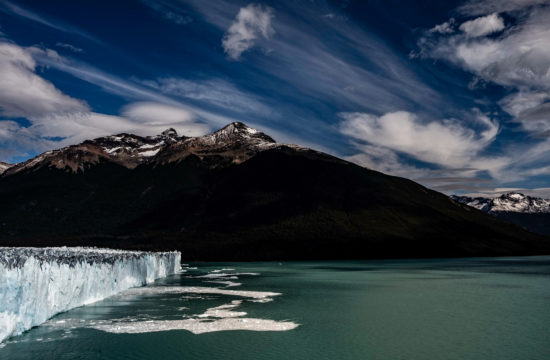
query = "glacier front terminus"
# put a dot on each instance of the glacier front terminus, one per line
(37, 283)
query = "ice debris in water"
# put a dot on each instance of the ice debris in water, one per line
(219, 318)
(37, 283)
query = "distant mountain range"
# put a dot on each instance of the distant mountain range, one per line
(529, 212)
(236, 194)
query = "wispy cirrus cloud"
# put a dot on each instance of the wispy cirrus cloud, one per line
(17, 10)
(169, 11)
(69, 47)
(173, 94)
(214, 91)
(348, 66)
(476, 8)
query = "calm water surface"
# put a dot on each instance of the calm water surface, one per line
(491, 308)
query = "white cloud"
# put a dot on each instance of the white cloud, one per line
(25, 94)
(518, 59)
(78, 126)
(154, 113)
(536, 119)
(7, 129)
(162, 116)
(517, 103)
(445, 28)
(530, 108)
(251, 22)
(141, 118)
(482, 26)
(446, 143)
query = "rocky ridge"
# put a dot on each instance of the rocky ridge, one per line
(234, 143)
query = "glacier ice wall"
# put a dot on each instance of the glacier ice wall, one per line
(37, 283)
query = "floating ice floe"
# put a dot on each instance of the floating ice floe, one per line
(222, 282)
(198, 326)
(219, 318)
(157, 290)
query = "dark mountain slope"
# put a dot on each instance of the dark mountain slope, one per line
(283, 202)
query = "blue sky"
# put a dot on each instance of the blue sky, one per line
(454, 94)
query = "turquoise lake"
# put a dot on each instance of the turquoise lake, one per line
(486, 308)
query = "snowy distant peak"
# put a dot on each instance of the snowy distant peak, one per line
(239, 131)
(4, 166)
(509, 202)
(520, 203)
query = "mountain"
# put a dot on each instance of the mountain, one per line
(529, 212)
(509, 202)
(235, 143)
(236, 194)
(3, 167)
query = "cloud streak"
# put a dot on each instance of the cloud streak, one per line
(13, 9)
(168, 12)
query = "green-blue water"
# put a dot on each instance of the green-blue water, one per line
(495, 308)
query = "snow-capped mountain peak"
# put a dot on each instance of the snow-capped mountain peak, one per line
(236, 132)
(234, 143)
(129, 146)
(509, 202)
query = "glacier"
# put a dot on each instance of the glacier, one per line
(37, 283)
